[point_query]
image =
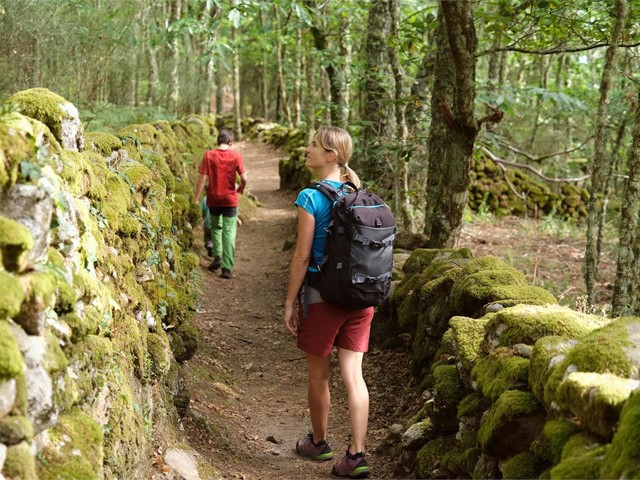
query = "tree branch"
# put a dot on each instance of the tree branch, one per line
(499, 160)
(539, 159)
(553, 51)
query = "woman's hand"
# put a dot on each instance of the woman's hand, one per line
(290, 320)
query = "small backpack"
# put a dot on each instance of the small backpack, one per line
(356, 269)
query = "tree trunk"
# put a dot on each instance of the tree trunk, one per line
(235, 60)
(454, 127)
(400, 180)
(629, 230)
(282, 86)
(297, 82)
(599, 160)
(378, 114)
(176, 8)
(310, 95)
(264, 81)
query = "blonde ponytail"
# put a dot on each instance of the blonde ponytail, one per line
(348, 175)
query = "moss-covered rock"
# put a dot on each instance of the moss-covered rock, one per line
(527, 323)
(621, 460)
(467, 335)
(499, 372)
(74, 450)
(20, 463)
(11, 295)
(102, 142)
(547, 354)
(448, 391)
(159, 353)
(596, 399)
(477, 284)
(15, 429)
(54, 111)
(15, 243)
(511, 424)
(582, 457)
(523, 465)
(553, 438)
(612, 349)
(430, 455)
(11, 362)
(17, 144)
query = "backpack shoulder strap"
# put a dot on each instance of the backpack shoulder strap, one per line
(332, 192)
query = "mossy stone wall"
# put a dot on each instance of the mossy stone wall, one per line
(94, 325)
(541, 391)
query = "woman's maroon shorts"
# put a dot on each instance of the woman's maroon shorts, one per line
(327, 325)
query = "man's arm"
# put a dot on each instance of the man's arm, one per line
(199, 187)
(243, 183)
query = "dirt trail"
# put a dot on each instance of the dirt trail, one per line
(248, 379)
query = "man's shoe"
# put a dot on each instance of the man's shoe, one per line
(352, 466)
(320, 451)
(214, 265)
(226, 273)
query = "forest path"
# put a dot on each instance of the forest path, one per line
(248, 380)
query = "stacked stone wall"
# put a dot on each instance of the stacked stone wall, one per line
(98, 287)
(516, 386)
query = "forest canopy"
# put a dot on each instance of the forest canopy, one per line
(427, 88)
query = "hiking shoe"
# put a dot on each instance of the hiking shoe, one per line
(320, 451)
(214, 265)
(352, 466)
(226, 273)
(209, 247)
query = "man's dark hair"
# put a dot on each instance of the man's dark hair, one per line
(225, 137)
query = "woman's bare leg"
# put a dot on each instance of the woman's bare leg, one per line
(319, 369)
(357, 395)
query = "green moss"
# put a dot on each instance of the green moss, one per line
(11, 295)
(512, 404)
(11, 362)
(75, 449)
(85, 173)
(15, 429)
(127, 339)
(43, 105)
(467, 337)
(606, 350)
(430, 455)
(528, 323)
(477, 283)
(499, 372)
(582, 457)
(17, 144)
(522, 465)
(547, 354)
(621, 460)
(55, 360)
(160, 354)
(421, 258)
(448, 382)
(115, 208)
(41, 290)
(554, 436)
(20, 463)
(471, 406)
(157, 163)
(595, 399)
(15, 243)
(103, 143)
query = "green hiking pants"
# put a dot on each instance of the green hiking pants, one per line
(223, 235)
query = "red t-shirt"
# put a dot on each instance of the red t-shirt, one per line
(221, 167)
